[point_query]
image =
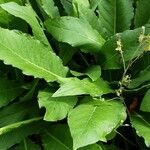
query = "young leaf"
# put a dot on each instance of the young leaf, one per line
(27, 13)
(14, 133)
(75, 86)
(142, 128)
(49, 8)
(92, 121)
(75, 32)
(30, 55)
(56, 108)
(9, 90)
(67, 5)
(145, 105)
(142, 14)
(115, 15)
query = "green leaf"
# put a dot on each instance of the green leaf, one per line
(142, 128)
(27, 144)
(145, 105)
(75, 86)
(75, 32)
(14, 133)
(142, 14)
(27, 13)
(49, 8)
(56, 108)
(30, 55)
(9, 90)
(92, 121)
(115, 15)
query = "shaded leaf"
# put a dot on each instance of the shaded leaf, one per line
(142, 14)
(9, 90)
(14, 133)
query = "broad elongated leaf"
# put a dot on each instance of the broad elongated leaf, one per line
(115, 15)
(74, 86)
(27, 144)
(142, 14)
(14, 133)
(9, 90)
(26, 13)
(142, 128)
(76, 32)
(145, 105)
(30, 56)
(91, 122)
(56, 108)
(49, 8)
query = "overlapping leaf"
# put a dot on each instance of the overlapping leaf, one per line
(30, 55)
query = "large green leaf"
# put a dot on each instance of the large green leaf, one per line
(145, 105)
(74, 86)
(14, 133)
(142, 128)
(92, 121)
(30, 55)
(76, 32)
(142, 14)
(9, 90)
(26, 13)
(115, 15)
(57, 108)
